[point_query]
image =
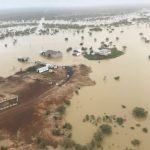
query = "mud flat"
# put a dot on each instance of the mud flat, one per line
(32, 121)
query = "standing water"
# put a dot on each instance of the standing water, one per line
(106, 96)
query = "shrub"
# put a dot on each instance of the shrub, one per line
(91, 145)
(145, 130)
(106, 129)
(87, 117)
(77, 92)
(68, 143)
(67, 102)
(123, 106)
(61, 109)
(41, 143)
(67, 126)
(139, 112)
(3, 148)
(57, 132)
(80, 147)
(132, 128)
(135, 142)
(138, 125)
(98, 136)
(119, 120)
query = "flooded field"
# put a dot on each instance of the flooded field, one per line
(106, 96)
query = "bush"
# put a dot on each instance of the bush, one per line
(106, 129)
(67, 126)
(145, 130)
(119, 120)
(57, 132)
(91, 145)
(31, 69)
(3, 148)
(98, 136)
(139, 112)
(67, 102)
(80, 147)
(135, 142)
(61, 109)
(41, 143)
(68, 143)
(87, 117)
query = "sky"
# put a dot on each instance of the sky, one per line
(66, 3)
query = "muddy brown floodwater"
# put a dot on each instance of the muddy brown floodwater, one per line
(105, 97)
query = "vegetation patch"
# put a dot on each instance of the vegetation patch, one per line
(145, 130)
(67, 126)
(120, 120)
(114, 53)
(3, 148)
(135, 142)
(41, 143)
(96, 29)
(57, 132)
(61, 109)
(139, 112)
(106, 129)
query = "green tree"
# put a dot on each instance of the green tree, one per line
(139, 112)
(106, 129)
(135, 142)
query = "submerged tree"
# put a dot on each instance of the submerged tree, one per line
(139, 112)
(66, 39)
(106, 129)
(135, 142)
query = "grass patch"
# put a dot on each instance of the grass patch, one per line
(114, 53)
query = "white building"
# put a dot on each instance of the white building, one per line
(104, 52)
(47, 67)
(43, 69)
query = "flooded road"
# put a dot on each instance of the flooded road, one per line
(106, 96)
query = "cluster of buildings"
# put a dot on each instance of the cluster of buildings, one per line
(102, 52)
(47, 67)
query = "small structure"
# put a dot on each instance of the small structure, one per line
(47, 67)
(23, 59)
(117, 77)
(104, 52)
(8, 101)
(51, 54)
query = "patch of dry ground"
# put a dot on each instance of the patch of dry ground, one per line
(24, 123)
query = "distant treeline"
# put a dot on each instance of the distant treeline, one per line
(61, 13)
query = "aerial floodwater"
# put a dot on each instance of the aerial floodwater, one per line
(105, 92)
